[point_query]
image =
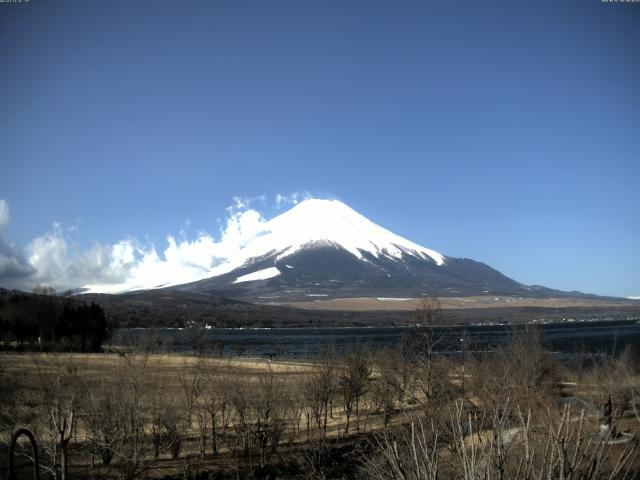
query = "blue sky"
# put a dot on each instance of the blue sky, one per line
(507, 132)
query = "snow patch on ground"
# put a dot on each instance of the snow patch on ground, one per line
(393, 299)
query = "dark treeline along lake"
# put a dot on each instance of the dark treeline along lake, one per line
(589, 337)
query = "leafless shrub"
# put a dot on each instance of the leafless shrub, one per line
(503, 449)
(408, 453)
(314, 458)
(166, 432)
(616, 377)
(521, 372)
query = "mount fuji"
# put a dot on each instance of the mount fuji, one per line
(324, 249)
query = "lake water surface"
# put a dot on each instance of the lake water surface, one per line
(561, 338)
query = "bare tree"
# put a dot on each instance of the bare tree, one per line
(11, 397)
(320, 387)
(239, 395)
(270, 408)
(118, 417)
(103, 429)
(400, 360)
(427, 338)
(191, 385)
(215, 399)
(298, 404)
(387, 387)
(352, 380)
(261, 407)
(57, 410)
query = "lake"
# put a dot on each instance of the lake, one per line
(561, 338)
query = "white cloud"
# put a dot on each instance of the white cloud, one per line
(243, 203)
(241, 227)
(291, 198)
(54, 259)
(4, 213)
(185, 260)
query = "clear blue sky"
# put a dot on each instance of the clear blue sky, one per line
(507, 132)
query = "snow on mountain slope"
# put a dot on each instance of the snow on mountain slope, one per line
(263, 274)
(325, 222)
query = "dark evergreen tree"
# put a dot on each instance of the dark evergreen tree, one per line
(45, 321)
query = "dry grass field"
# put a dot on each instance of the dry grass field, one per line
(137, 414)
(259, 406)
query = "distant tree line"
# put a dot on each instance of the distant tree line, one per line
(49, 322)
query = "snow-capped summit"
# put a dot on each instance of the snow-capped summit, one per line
(325, 222)
(337, 223)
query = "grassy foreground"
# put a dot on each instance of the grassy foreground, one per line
(402, 413)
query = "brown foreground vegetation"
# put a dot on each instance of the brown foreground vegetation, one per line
(406, 413)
